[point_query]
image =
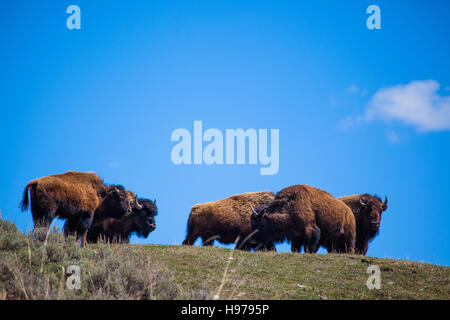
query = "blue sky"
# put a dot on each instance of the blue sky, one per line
(358, 110)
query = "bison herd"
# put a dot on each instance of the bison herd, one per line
(307, 217)
(92, 209)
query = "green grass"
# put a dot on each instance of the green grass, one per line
(33, 267)
(271, 275)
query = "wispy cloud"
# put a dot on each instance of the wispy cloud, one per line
(392, 137)
(352, 89)
(350, 121)
(416, 103)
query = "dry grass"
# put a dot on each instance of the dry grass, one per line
(34, 266)
(271, 275)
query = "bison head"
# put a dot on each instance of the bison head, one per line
(370, 210)
(261, 221)
(144, 213)
(115, 202)
(118, 195)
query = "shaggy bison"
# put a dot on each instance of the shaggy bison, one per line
(118, 230)
(306, 216)
(116, 202)
(226, 220)
(367, 210)
(73, 195)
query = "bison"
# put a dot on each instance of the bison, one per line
(115, 204)
(118, 230)
(367, 210)
(308, 217)
(72, 195)
(226, 220)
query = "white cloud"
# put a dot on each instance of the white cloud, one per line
(349, 122)
(416, 103)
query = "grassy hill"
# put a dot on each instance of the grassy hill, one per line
(34, 267)
(270, 275)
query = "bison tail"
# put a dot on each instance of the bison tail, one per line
(188, 240)
(25, 202)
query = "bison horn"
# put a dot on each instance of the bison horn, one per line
(154, 202)
(138, 205)
(385, 203)
(362, 201)
(254, 212)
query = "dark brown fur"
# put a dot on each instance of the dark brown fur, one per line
(118, 230)
(225, 219)
(306, 216)
(367, 210)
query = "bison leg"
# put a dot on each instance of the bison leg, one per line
(311, 239)
(208, 239)
(331, 247)
(245, 247)
(296, 245)
(190, 239)
(83, 225)
(346, 244)
(43, 209)
(362, 249)
(192, 234)
(41, 218)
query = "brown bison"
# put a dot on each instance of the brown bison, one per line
(115, 204)
(226, 220)
(68, 196)
(118, 230)
(367, 210)
(308, 217)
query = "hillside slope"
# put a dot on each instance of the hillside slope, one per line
(35, 266)
(270, 275)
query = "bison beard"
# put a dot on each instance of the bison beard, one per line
(226, 220)
(367, 210)
(308, 217)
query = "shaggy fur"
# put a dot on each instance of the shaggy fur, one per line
(367, 210)
(65, 196)
(115, 204)
(118, 230)
(74, 196)
(306, 216)
(226, 219)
